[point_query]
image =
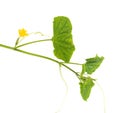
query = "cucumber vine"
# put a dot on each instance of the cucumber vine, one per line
(63, 49)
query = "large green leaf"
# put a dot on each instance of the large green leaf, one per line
(92, 64)
(85, 87)
(62, 38)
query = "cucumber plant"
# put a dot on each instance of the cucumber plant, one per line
(63, 49)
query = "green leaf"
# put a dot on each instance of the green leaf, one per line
(85, 87)
(62, 38)
(92, 64)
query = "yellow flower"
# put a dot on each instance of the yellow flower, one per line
(22, 32)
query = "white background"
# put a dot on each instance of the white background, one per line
(33, 85)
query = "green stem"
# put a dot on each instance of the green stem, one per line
(74, 63)
(29, 53)
(40, 56)
(71, 70)
(32, 42)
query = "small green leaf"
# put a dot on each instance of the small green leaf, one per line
(62, 38)
(92, 64)
(85, 87)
